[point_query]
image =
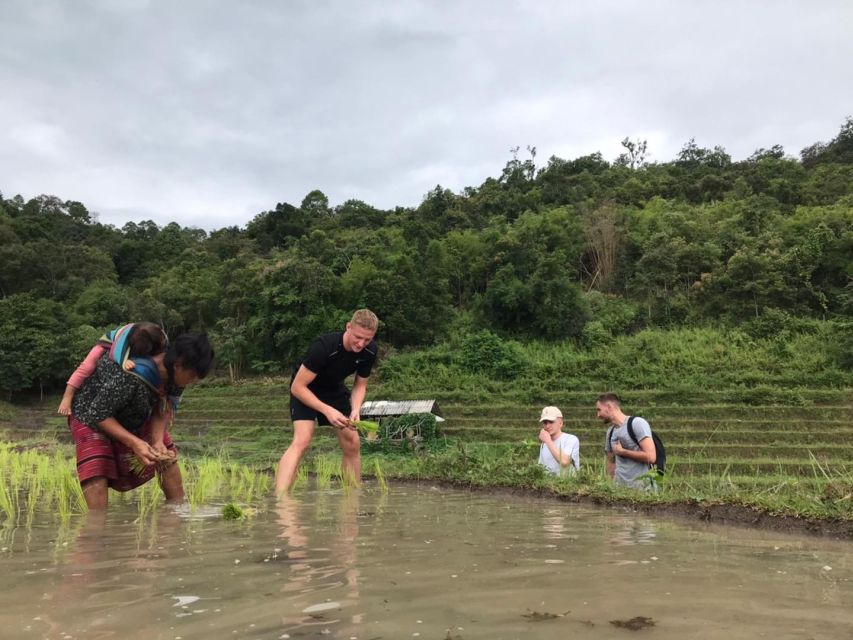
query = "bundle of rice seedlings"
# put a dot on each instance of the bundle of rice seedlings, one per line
(163, 461)
(369, 429)
(366, 425)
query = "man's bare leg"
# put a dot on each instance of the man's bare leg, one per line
(303, 431)
(351, 448)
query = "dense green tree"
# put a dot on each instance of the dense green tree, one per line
(33, 334)
(315, 205)
(358, 214)
(294, 306)
(274, 228)
(838, 151)
(694, 240)
(102, 304)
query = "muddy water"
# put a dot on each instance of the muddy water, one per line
(418, 563)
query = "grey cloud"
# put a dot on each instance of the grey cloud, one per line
(208, 112)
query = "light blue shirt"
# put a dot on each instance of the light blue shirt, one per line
(565, 443)
(629, 470)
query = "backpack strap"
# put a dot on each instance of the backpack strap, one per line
(634, 435)
(631, 430)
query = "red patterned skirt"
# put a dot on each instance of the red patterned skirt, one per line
(98, 455)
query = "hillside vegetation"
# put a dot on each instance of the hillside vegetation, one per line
(588, 250)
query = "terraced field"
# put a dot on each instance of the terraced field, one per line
(812, 438)
(791, 455)
(702, 438)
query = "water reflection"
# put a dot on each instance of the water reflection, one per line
(554, 523)
(99, 573)
(321, 559)
(428, 561)
(635, 532)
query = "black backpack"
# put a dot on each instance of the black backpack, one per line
(660, 450)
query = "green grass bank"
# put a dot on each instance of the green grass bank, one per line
(759, 422)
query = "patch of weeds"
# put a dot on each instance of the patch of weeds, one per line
(232, 512)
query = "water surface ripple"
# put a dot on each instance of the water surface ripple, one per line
(418, 562)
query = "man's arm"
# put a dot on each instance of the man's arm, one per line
(646, 453)
(609, 456)
(610, 463)
(576, 454)
(359, 391)
(299, 388)
(560, 456)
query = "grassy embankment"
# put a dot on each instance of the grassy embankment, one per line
(763, 423)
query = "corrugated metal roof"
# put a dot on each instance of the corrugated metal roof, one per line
(379, 408)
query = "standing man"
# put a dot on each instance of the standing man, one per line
(558, 450)
(627, 460)
(318, 394)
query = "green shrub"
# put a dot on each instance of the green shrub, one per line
(615, 313)
(484, 352)
(595, 334)
(768, 325)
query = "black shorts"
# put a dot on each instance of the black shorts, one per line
(340, 400)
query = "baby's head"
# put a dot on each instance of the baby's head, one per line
(147, 340)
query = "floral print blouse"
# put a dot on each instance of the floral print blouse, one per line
(111, 392)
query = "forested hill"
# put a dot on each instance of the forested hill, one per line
(581, 248)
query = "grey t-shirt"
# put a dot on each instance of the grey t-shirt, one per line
(627, 469)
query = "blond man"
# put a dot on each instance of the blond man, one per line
(559, 452)
(318, 394)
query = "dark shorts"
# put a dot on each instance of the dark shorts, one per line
(340, 400)
(98, 455)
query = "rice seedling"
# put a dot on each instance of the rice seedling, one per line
(204, 481)
(34, 493)
(301, 480)
(7, 507)
(380, 476)
(325, 467)
(245, 483)
(349, 481)
(72, 488)
(147, 499)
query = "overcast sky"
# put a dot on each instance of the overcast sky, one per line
(208, 112)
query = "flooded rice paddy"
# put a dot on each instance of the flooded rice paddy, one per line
(416, 562)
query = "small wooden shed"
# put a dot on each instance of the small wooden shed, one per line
(378, 409)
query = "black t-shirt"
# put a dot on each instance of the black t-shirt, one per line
(333, 364)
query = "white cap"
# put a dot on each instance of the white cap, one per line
(550, 414)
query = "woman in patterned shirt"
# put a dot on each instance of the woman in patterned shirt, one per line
(115, 418)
